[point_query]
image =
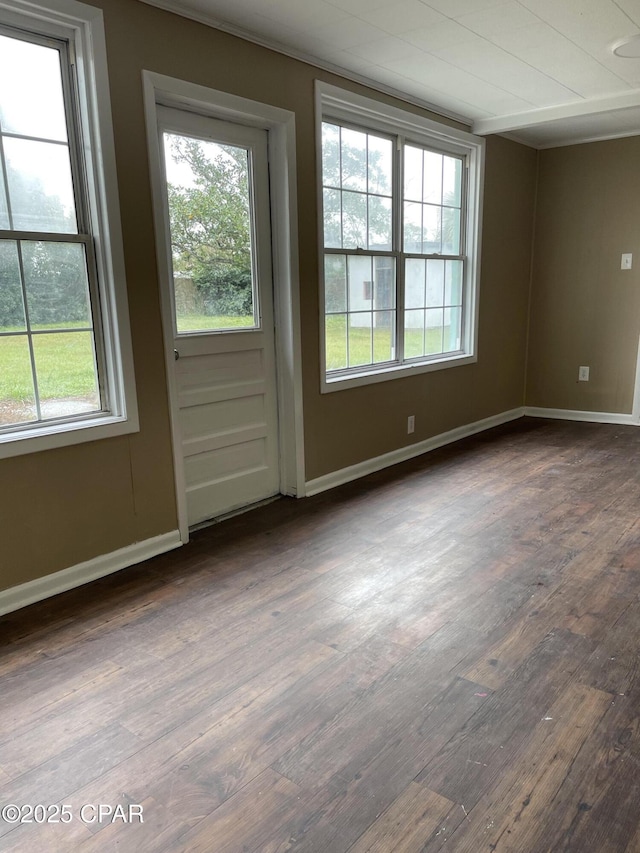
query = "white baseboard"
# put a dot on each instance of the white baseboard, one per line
(36, 590)
(20, 596)
(573, 415)
(353, 472)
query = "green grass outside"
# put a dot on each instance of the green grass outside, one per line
(203, 322)
(15, 370)
(67, 371)
(64, 362)
(360, 344)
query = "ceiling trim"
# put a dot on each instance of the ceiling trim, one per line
(309, 59)
(544, 115)
(584, 140)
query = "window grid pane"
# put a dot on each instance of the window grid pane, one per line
(434, 285)
(434, 318)
(17, 393)
(12, 311)
(452, 330)
(56, 285)
(354, 220)
(66, 374)
(335, 284)
(414, 333)
(45, 312)
(332, 219)
(415, 283)
(360, 314)
(428, 208)
(360, 338)
(37, 187)
(453, 283)
(32, 93)
(4, 207)
(336, 341)
(384, 336)
(40, 187)
(432, 210)
(357, 169)
(432, 200)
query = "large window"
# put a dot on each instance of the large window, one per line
(63, 344)
(400, 223)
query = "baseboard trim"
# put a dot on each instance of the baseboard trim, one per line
(24, 594)
(369, 466)
(574, 415)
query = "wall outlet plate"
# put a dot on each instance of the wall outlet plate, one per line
(411, 424)
(583, 374)
(626, 261)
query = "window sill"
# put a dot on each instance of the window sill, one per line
(49, 436)
(400, 371)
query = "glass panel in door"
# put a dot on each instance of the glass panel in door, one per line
(212, 234)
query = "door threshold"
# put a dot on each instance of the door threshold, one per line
(209, 522)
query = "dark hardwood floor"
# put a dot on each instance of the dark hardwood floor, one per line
(440, 657)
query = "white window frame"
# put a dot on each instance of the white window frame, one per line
(373, 116)
(82, 26)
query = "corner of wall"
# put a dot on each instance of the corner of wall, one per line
(534, 214)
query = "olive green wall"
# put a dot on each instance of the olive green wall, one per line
(61, 507)
(585, 310)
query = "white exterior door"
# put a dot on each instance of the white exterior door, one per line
(217, 214)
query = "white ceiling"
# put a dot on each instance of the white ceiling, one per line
(540, 70)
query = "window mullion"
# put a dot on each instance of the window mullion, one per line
(341, 194)
(45, 236)
(464, 193)
(372, 280)
(98, 323)
(74, 125)
(34, 378)
(27, 319)
(398, 206)
(348, 304)
(26, 137)
(5, 179)
(366, 196)
(464, 247)
(363, 253)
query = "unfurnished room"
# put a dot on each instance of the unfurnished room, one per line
(319, 409)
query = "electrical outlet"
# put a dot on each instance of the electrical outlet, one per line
(411, 424)
(583, 374)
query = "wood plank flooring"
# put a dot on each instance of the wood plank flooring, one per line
(443, 656)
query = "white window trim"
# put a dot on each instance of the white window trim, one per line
(83, 26)
(340, 104)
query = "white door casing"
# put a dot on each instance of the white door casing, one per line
(184, 383)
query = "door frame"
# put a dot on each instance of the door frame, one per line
(280, 126)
